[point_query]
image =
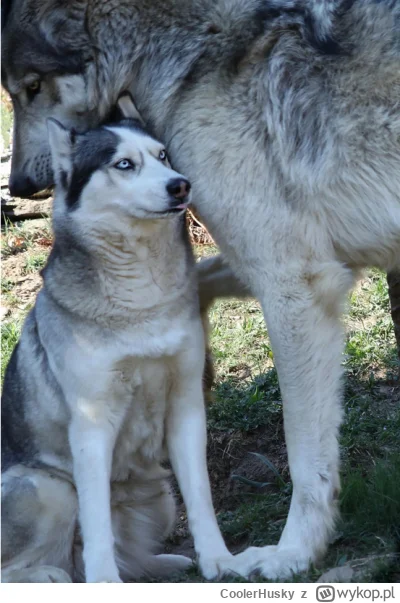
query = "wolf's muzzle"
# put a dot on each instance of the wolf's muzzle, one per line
(22, 186)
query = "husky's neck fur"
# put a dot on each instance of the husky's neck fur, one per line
(107, 275)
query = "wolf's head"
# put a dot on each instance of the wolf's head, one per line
(44, 55)
(110, 174)
(70, 59)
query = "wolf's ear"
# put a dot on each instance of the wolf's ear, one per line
(128, 108)
(61, 142)
(61, 25)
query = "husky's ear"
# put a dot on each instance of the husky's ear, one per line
(61, 142)
(128, 108)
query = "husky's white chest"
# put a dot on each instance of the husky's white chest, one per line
(123, 380)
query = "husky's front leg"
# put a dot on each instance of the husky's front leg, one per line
(186, 439)
(92, 437)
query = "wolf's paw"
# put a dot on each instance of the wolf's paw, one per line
(272, 562)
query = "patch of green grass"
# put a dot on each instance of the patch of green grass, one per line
(370, 519)
(10, 332)
(239, 337)
(371, 426)
(372, 348)
(204, 251)
(34, 262)
(246, 407)
(370, 342)
(20, 236)
(8, 298)
(6, 285)
(11, 300)
(370, 298)
(370, 503)
(256, 522)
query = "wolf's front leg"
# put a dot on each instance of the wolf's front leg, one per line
(92, 437)
(186, 439)
(303, 317)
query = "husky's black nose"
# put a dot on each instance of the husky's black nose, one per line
(178, 188)
(21, 186)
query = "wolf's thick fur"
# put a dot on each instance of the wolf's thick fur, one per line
(285, 115)
(107, 374)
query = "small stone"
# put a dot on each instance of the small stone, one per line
(4, 311)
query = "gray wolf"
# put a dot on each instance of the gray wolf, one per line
(106, 379)
(285, 116)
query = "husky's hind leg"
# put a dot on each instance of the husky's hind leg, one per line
(143, 515)
(38, 517)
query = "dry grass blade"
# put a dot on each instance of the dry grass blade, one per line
(199, 235)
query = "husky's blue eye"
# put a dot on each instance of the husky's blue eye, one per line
(162, 155)
(124, 164)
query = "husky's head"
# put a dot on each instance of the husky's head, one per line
(44, 56)
(113, 173)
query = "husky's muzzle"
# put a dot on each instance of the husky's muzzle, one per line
(178, 190)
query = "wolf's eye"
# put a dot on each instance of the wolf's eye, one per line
(163, 155)
(124, 164)
(33, 89)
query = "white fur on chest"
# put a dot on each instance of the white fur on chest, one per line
(102, 352)
(125, 380)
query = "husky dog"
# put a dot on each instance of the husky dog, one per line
(108, 373)
(285, 115)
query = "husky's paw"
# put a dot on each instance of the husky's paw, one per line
(272, 562)
(101, 570)
(40, 574)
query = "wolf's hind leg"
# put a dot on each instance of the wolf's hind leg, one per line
(38, 516)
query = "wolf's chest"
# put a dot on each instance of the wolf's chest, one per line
(142, 387)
